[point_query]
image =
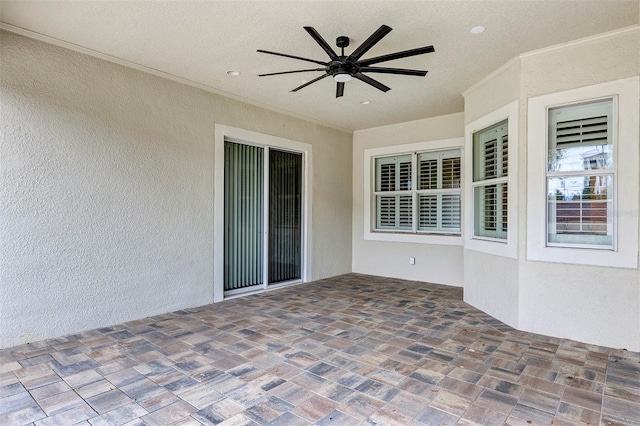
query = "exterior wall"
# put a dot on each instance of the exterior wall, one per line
(107, 191)
(491, 281)
(598, 305)
(440, 264)
(490, 94)
(595, 304)
(491, 285)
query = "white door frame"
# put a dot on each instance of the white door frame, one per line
(223, 133)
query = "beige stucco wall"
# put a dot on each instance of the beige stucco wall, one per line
(491, 282)
(593, 304)
(107, 191)
(598, 305)
(434, 263)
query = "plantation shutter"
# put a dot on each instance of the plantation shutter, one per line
(451, 172)
(439, 191)
(490, 173)
(394, 210)
(589, 130)
(451, 212)
(428, 212)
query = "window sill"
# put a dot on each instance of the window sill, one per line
(409, 237)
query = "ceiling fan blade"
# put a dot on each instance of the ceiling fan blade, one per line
(291, 72)
(339, 89)
(369, 43)
(310, 82)
(372, 82)
(325, 46)
(293, 57)
(400, 71)
(397, 55)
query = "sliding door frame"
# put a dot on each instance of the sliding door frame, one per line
(226, 133)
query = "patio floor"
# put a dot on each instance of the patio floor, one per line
(353, 349)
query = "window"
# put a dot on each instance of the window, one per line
(490, 181)
(580, 175)
(570, 223)
(418, 192)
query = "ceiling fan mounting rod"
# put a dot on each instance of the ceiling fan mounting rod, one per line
(342, 42)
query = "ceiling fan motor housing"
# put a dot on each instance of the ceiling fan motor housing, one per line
(342, 66)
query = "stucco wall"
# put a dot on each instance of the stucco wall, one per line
(594, 304)
(599, 305)
(107, 191)
(490, 281)
(434, 263)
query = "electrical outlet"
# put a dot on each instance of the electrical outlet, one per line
(412, 261)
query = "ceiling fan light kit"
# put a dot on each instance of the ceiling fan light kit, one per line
(343, 68)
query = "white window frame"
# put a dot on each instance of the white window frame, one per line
(495, 246)
(486, 182)
(626, 121)
(223, 133)
(424, 237)
(612, 136)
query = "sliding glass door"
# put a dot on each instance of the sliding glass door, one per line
(285, 231)
(262, 242)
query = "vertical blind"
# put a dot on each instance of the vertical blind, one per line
(243, 215)
(285, 215)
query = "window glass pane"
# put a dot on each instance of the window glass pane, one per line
(437, 186)
(580, 137)
(490, 152)
(450, 212)
(386, 207)
(394, 212)
(451, 173)
(393, 173)
(490, 211)
(405, 208)
(428, 171)
(580, 210)
(428, 214)
(439, 170)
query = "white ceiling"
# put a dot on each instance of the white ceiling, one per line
(200, 41)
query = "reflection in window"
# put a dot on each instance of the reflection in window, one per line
(580, 175)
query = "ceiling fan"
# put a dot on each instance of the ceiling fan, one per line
(343, 68)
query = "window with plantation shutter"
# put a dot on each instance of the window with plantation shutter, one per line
(427, 201)
(490, 177)
(580, 175)
(393, 193)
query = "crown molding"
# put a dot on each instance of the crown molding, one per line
(493, 74)
(157, 73)
(579, 41)
(405, 123)
(531, 53)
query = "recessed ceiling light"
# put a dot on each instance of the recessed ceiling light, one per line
(477, 30)
(365, 102)
(233, 73)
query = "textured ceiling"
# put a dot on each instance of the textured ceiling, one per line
(200, 41)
